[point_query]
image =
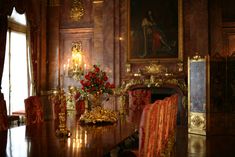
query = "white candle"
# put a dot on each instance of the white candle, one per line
(84, 68)
(64, 72)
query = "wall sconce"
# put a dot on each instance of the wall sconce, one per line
(75, 66)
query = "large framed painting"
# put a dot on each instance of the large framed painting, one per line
(155, 30)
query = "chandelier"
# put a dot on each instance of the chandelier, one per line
(75, 66)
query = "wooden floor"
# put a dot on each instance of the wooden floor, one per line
(191, 145)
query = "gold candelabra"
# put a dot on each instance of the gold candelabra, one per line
(62, 131)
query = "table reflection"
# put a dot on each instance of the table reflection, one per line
(41, 140)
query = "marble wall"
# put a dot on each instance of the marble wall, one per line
(103, 31)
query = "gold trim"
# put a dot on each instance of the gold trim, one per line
(180, 29)
(208, 96)
(97, 1)
(152, 82)
(180, 37)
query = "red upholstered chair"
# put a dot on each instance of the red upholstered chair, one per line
(3, 114)
(33, 110)
(138, 99)
(157, 127)
(174, 110)
(148, 126)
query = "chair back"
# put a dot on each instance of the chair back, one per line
(3, 114)
(157, 127)
(33, 110)
(138, 99)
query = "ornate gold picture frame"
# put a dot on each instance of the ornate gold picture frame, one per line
(155, 30)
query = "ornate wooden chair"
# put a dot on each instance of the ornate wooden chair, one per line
(151, 127)
(33, 110)
(157, 128)
(3, 114)
(138, 99)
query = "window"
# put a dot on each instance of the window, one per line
(15, 76)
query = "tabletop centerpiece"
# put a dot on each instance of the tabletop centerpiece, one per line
(95, 90)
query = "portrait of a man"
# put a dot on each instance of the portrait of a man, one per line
(153, 29)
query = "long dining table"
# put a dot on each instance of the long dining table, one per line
(40, 140)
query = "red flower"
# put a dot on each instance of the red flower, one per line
(96, 81)
(82, 82)
(105, 78)
(87, 77)
(97, 69)
(107, 85)
(88, 83)
(93, 75)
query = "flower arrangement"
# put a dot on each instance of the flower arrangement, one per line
(95, 90)
(96, 83)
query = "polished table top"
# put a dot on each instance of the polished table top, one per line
(41, 140)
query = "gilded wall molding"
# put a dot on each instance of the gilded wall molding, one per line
(77, 10)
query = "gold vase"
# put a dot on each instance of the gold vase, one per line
(95, 100)
(95, 112)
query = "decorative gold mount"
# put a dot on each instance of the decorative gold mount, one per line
(77, 10)
(197, 123)
(62, 131)
(154, 69)
(197, 56)
(151, 76)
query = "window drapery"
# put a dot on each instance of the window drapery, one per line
(6, 7)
